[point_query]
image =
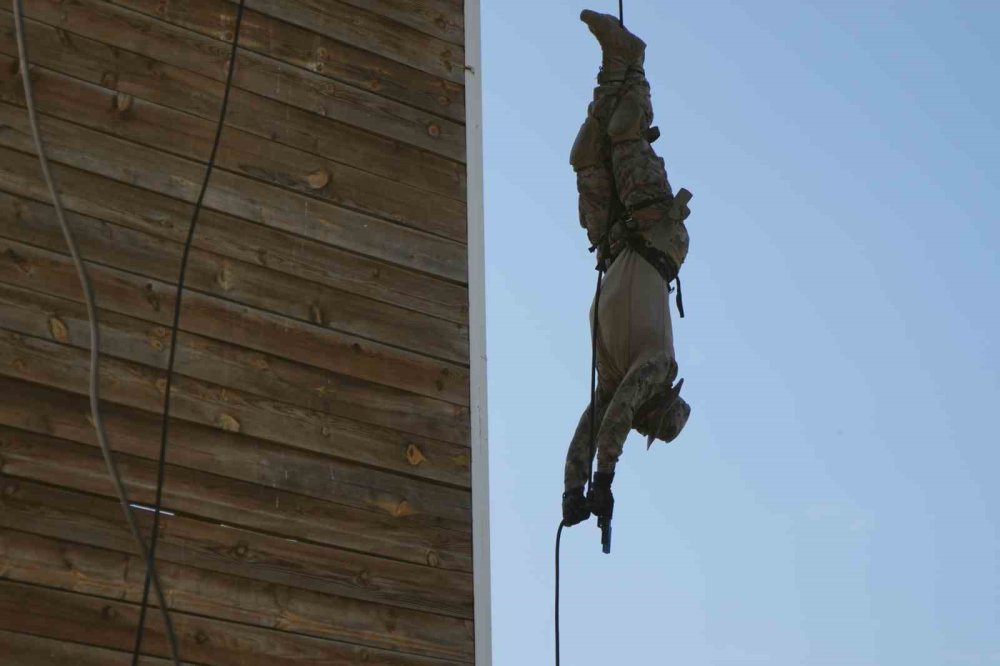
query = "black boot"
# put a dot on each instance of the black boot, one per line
(574, 506)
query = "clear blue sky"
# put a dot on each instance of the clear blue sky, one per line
(834, 499)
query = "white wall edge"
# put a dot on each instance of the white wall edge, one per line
(477, 335)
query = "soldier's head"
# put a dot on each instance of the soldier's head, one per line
(620, 48)
(662, 417)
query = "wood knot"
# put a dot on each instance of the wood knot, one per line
(201, 637)
(356, 347)
(161, 385)
(241, 550)
(402, 509)
(316, 314)
(224, 278)
(318, 179)
(363, 578)
(434, 130)
(58, 329)
(108, 613)
(123, 102)
(110, 80)
(152, 297)
(228, 423)
(433, 558)
(414, 456)
(9, 490)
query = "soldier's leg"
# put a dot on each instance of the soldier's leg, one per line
(641, 177)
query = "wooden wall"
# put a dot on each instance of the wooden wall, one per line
(319, 465)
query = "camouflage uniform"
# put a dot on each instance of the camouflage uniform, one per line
(614, 161)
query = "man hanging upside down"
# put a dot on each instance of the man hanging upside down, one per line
(637, 228)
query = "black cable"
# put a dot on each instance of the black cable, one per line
(621, 12)
(165, 422)
(593, 375)
(558, 540)
(93, 325)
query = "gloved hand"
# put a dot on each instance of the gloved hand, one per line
(575, 507)
(600, 499)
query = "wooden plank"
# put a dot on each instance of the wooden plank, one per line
(251, 506)
(306, 49)
(243, 153)
(177, 88)
(227, 236)
(247, 283)
(27, 650)
(240, 196)
(444, 19)
(237, 456)
(41, 270)
(133, 385)
(225, 364)
(96, 521)
(40, 560)
(256, 73)
(111, 624)
(368, 30)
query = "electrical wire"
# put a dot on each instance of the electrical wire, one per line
(165, 421)
(94, 327)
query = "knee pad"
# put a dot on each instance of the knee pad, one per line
(589, 147)
(632, 117)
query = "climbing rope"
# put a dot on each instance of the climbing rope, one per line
(165, 421)
(593, 389)
(94, 327)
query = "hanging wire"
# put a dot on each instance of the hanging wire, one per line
(621, 12)
(165, 420)
(94, 327)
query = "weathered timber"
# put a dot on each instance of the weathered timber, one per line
(42, 270)
(254, 285)
(49, 411)
(304, 48)
(40, 560)
(266, 76)
(133, 385)
(110, 201)
(252, 506)
(444, 19)
(368, 30)
(237, 195)
(111, 624)
(27, 650)
(148, 79)
(97, 521)
(225, 364)
(189, 136)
